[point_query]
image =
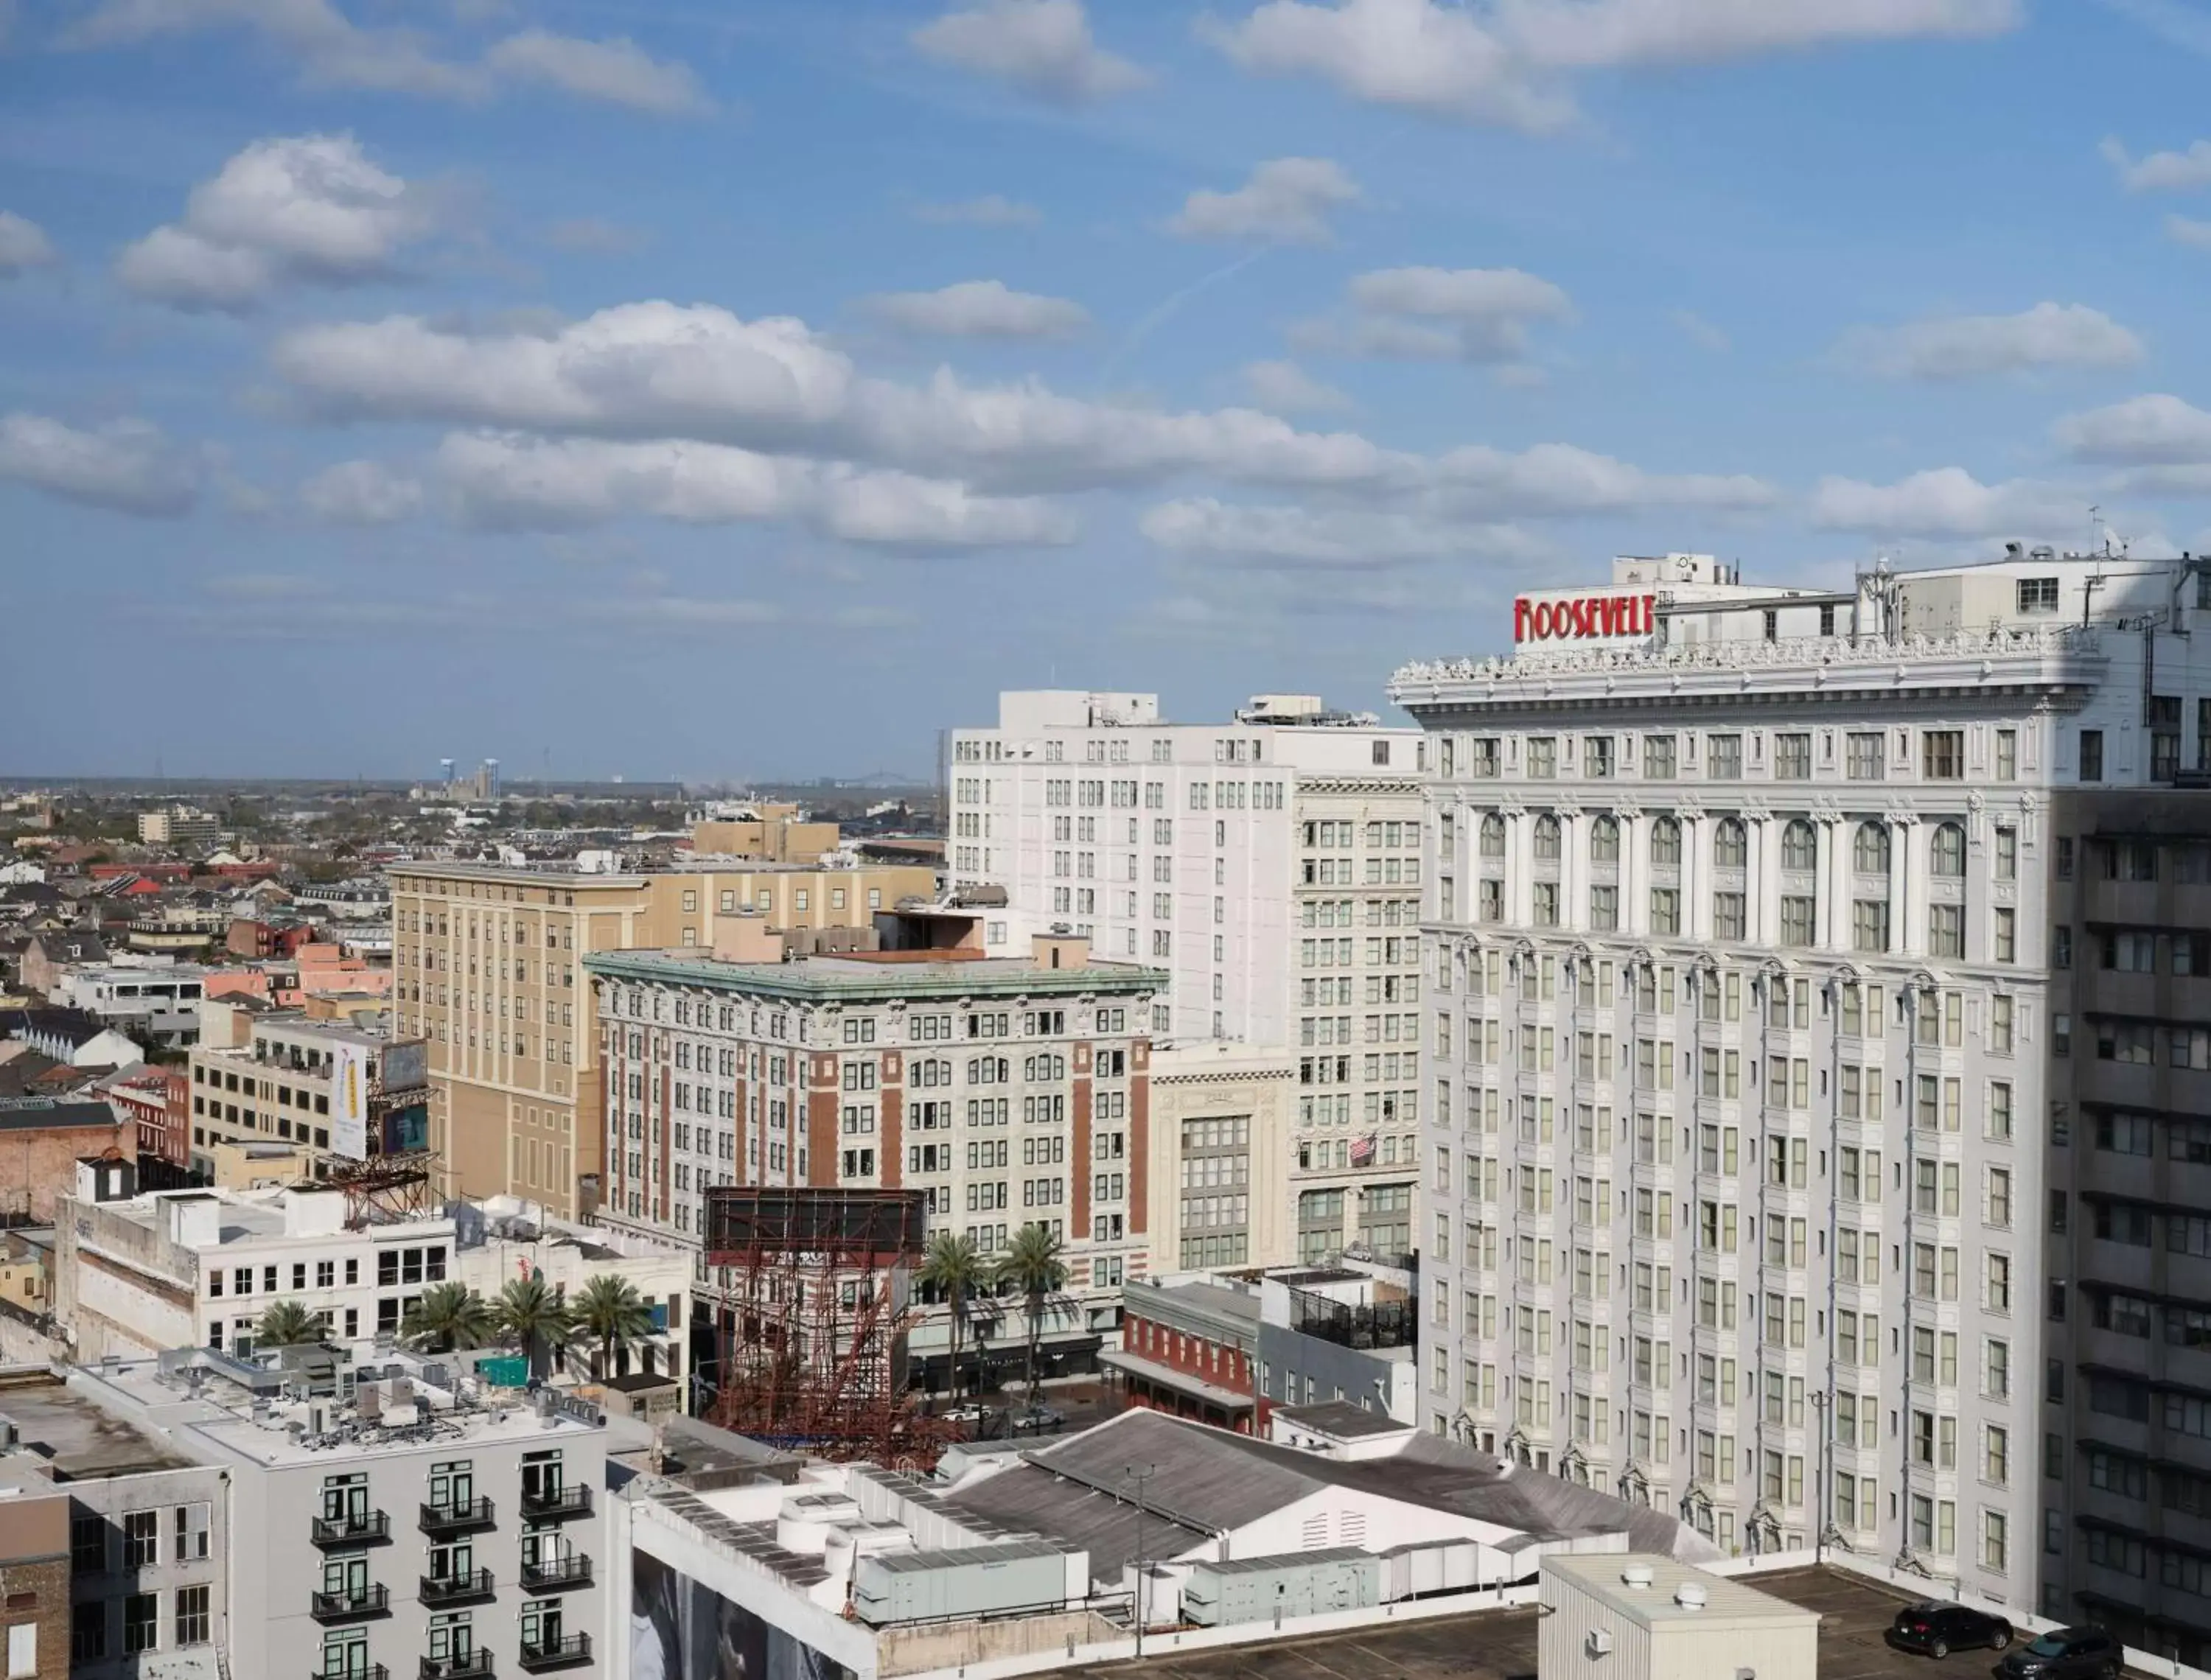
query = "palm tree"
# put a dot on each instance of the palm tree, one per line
(953, 1264)
(1031, 1264)
(531, 1312)
(286, 1324)
(609, 1311)
(447, 1316)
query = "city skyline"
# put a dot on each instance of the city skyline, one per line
(577, 368)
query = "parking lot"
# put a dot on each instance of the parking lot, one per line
(1500, 1645)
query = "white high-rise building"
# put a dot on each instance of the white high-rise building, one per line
(1767, 1172)
(1271, 865)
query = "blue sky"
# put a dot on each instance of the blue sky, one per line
(726, 391)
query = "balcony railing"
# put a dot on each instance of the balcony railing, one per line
(457, 1516)
(573, 1652)
(457, 1589)
(365, 1671)
(475, 1666)
(355, 1528)
(354, 1604)
(556, 1503)
(557, 1574)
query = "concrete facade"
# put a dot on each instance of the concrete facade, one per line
(1742, 1040)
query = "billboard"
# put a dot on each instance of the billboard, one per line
(406, 1064)
(681, 1629)
(349, 1101)
(404, 1128)
(858, 1228)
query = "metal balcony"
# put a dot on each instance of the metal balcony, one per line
(458, 1516)
(372, 1672)
(359, 1528)
(457, 1589)
(573, 1652)
(557, 1574)
(356, 1605)
(475, 1665)
(557, 1504)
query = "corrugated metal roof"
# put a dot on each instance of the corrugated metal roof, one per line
(1293, 1560)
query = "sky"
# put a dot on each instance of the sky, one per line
(719, 391)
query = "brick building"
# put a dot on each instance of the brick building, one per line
(41, 1140)
(34, 1582)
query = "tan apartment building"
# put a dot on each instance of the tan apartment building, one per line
(773, 833)
(487, 967)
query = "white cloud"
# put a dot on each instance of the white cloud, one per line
(982, 309)
(311, 208)
(1560, 478)
(1507, 63)
(1968, 347)
(1286, 202)
(1333, 537)
(2189, 231)
(1427, 314)
(2160, 171)
(23, 244)
(1700, 332)
(360, 492)
(1284, 387)
(1947, 502)
(1043, 47)
(514, 481)
(616, 71)
(128, 467)
(331, 52)
(1410, 54)
(992, 209)
(656, 370)
(2155, 428)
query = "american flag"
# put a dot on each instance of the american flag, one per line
(1362, 1148)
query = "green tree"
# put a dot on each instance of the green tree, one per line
(448, 1316)
(1033, 1264)
(286, 1324)
(952, 1267)
(531, 1312)
(609, 1311)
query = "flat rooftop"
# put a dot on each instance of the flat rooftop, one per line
(864, 977)
(78, 1441)
(1500, 1644)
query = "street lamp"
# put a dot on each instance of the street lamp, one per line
(1139, 1475)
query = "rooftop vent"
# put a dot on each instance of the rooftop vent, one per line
(1690, 1595)
(1637, 1575)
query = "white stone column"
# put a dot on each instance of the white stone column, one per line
(1633, 874)
(1696, 873)
(1827, 932)
(1907, 911)
(1520, 866)
(1573, 870)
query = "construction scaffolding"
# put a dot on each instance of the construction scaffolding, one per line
(815, 1289)
(383, 1189)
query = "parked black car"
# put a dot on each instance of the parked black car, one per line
(2067, 1653)
(1939, 1629)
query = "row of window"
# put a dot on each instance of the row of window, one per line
(1868, 755)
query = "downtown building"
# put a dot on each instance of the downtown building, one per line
(487, 971)
(1817, 1061)
(1009, 1090)
(1271, 866)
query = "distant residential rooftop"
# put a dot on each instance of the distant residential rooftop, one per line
(42, 1114)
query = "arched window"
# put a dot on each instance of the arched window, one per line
(1492, 836)
(1869, 852)
(1604, 841)
(1799, 848)
(1949, 850)
(1547, 839)
(1665, 842)
(1731, 845)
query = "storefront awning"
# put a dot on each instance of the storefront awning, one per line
(1166, 1376)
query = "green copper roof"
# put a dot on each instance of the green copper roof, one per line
(824, 979)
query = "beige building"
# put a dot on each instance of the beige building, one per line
(1219, 1143)
(487, 967)
(773, 833)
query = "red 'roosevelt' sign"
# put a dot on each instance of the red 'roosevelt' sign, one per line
(1589, 615)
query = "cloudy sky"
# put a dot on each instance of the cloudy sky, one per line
(721, 390)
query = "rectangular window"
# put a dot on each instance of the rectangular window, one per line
(193, 1618)
(1942, 755)
(1865, 760)
(141, 1622)
(2091, 755)
(1724, 758)
(1792, 757)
